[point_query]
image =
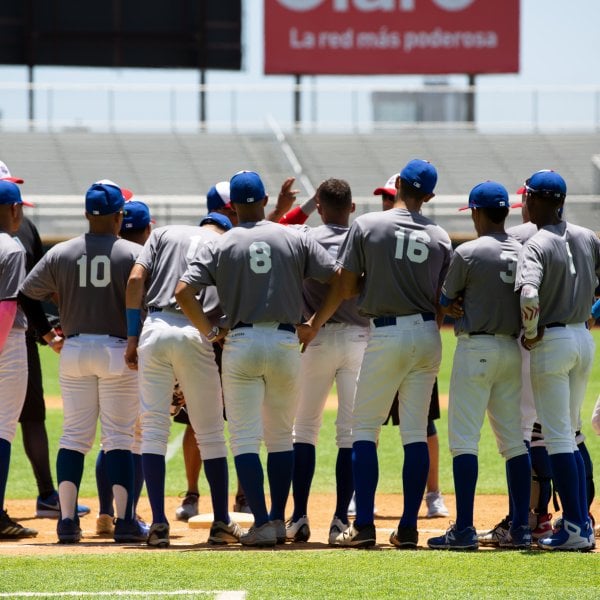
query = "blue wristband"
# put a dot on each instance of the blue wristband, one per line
(596, 309)
(134, 321)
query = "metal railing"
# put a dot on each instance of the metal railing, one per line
(325, 107)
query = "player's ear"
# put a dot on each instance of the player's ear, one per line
(428, 197)
(265, 200)
(352, 207)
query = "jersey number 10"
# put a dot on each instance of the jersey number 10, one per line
(99, 271)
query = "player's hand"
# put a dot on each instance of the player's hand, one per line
(131, 355)
(455, 308)
(530, 343)
(57, 343)
(287, 195)
(306, 334)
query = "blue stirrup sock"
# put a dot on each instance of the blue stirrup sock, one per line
(251, 476)
(119, 469)
(582, 472)
(280, 466)
(365, 470)
(344, 481)
(540, 465)
(217, 476)
(138, 479)
(589, 474)
(565, 474)
(465, 468)
(518, 472)
(105, 493)
(4, 464)
(414, 479)
(304, 470)
(154, 473)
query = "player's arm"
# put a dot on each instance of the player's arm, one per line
(285, 200)
(134, 297)
(530, 314)
(185, 295)
(343, 285)
(453, 307)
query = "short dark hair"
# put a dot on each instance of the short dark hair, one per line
(496, 214)
(335, 194)
(408, 190)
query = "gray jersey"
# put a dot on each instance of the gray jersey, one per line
(404, 257)
(166, 255)
(258, 269)
(331, 238)
(563, 262)
(523, 231)
(12, 273)
(89, 275)
(483, 271)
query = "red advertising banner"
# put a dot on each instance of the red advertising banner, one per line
(357, 37)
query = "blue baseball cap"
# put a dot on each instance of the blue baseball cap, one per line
(104, 198)
(218, 196)
(547, 183)
(246, 187)
(488, 194)
(11, 194)
(218, 219)
(421, 174)
(136, 215)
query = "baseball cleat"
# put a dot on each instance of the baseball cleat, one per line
(569, 537)
(436, 507)
(68, 531)
(405, 538)
(11, 530)
(224, 533)
(188, 508)
(518, 539)
(49, 508)
(336, 528)
(496, 535)
(105, 524)
(130, 531)
(543, 526)
(279, 530)
(158, 536)
(297, 531)
(453, 539)
(355, 537)
(263, 536)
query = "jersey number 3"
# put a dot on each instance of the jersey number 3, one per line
(99, 271)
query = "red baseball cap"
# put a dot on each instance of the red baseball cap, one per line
(388, 188)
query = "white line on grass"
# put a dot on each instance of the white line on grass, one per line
(174, 446)
(218, 594)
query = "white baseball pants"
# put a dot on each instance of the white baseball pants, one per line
(13, 375)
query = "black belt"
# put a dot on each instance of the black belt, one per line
(550, 325)
(153, 309)
(282, 326)
(386, 321)
(472, 333)
(118, 337)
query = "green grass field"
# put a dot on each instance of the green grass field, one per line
(384, 573)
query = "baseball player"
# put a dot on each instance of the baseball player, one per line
(13, 351)
(218, 201)
(396, 260)
(170, 348)
(135, 227)
(258, 268)
(486, 374)
(434, 500)
(556, 278)
(334, 356)
(87, 275)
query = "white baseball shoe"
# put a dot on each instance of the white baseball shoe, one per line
(436, 507)
(336, 528)
(297, 531)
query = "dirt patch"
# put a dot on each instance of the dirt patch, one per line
(488, 511)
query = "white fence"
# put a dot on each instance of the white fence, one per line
(324, 107)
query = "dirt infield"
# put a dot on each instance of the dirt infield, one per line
(488, 511)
